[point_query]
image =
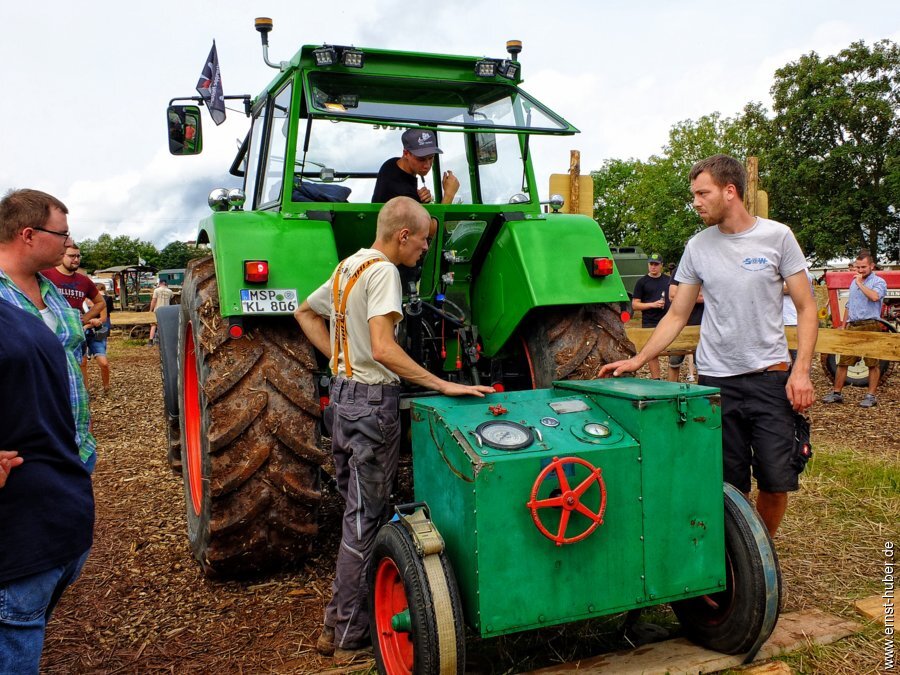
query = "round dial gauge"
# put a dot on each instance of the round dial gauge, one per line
(596, 429)
(505, 435)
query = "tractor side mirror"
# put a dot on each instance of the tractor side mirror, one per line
(185, 131)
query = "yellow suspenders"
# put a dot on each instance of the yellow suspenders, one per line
(339, 301)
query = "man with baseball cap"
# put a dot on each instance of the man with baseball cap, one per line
(397, 176)
(651, 294)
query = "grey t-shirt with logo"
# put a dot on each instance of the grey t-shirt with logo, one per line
(742, 276)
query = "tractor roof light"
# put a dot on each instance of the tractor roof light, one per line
(352, 58)
(325, 55)
(509, 69)
(486, 68)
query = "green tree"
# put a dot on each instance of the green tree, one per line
(176, 255)
(612, 209)
(659, 193)
(109, 251)
(835, 160)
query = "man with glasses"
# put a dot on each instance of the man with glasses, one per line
(397, 176)
(34, 235)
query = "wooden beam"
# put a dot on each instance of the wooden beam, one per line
(752, 186)
(574, 182)
(884, 346)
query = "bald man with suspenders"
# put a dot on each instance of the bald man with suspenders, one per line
(363, 303)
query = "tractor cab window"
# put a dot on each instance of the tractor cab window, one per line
(276, 151)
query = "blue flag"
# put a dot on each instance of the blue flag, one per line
(209, 86)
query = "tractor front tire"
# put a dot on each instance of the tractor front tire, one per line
(742, 616)
(573, 342)
(249, 435)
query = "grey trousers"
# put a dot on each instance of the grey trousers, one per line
(364, 421)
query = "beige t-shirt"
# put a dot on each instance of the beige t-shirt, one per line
(163, 295)
(376, 293)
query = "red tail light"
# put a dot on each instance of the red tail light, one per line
(625, 316)
(235, 331)
(599, 267)
(256, 271)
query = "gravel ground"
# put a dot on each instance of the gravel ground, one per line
(142, 605)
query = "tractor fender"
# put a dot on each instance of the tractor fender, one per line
(300, 251)
(538, 261)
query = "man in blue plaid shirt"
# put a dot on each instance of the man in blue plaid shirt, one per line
(34, 234)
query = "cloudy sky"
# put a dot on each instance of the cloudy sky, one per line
(86, 84)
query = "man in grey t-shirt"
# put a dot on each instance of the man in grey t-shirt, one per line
(741, 262)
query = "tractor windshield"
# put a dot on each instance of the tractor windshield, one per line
(440, 104)
(349, 155)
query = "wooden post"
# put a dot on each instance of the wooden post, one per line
(750, 196)
(574, 173)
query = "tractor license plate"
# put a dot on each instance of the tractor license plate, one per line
(268, 300)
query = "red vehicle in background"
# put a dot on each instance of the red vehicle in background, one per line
(838, 285)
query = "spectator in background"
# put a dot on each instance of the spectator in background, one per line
(96, 340)
(867, 291)
(694, 320)
(162, 297)
(45, 488)
(34, 234)
(789, 311)
(76, 288)
(651, 297)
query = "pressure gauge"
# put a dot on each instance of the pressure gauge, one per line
(505, 435)
(596, 430)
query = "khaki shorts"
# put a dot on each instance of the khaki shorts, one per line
(867, 325)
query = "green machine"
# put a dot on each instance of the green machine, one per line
(544, 507)
(511, 293)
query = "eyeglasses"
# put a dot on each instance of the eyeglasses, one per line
(64, 235)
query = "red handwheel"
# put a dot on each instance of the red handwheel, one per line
(567, 499)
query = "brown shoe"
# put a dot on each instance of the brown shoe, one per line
(346, 657)
(325, 643)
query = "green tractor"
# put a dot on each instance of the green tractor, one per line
(510, 293)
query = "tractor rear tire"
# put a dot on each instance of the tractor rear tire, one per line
(858, 374)
(167, 319)
(574, 342)
(249, 435)
(742, 616)
(399, 586)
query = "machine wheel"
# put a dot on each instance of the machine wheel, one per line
(574, 342)
(858, 373)
(743, 616)
(139, 332)
(249, 435)
(167, 331)
(410, 619)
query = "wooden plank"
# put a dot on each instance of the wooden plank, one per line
(770, 668)
(118, 319)
(872, 608)
(794, 631)
(830, 341)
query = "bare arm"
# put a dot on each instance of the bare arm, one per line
(799, 387)
(388, 353)
(870, 293)
(314, 327)
(667, 330)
